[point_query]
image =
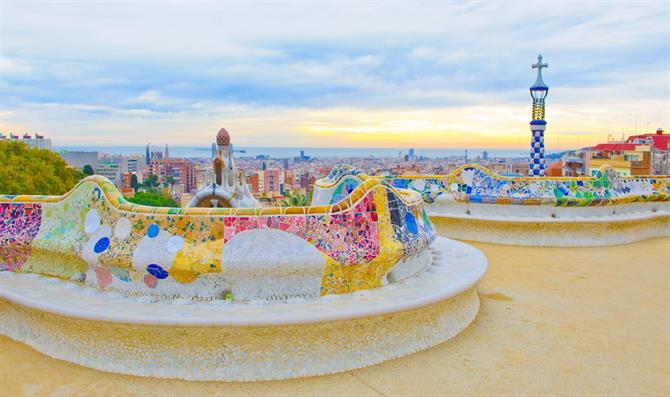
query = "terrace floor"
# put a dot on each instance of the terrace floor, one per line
(553, 321)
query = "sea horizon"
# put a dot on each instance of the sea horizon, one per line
(188, 151)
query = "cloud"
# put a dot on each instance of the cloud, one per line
(115, 71)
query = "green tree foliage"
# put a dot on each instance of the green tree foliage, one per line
(88, 170)
(295, 199)
(133, 182)
(34, 171)
(151, 181)
(154, 199)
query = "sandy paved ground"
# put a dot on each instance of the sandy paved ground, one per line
(554, 321)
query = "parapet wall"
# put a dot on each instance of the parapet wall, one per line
(478, 185)
(93, 234)
(473, 203)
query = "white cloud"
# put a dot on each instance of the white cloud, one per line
(109, 71)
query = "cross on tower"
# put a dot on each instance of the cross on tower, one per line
(539, 65)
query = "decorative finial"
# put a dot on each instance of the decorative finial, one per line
(539, 65)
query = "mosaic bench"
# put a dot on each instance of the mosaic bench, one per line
(231, 294)
(473, 203)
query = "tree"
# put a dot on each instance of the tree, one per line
(25, 170)
(153, 199)
(295, 199)
(151, 181)
(88, 170)
(134, 183)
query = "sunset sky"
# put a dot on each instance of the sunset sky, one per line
(363, 74)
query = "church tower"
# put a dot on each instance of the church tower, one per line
(147, 156)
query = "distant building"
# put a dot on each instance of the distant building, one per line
(132, 164)
(124, 185)
(554, 169)
(304, 180)
(272, 183)
(301, 158)
(182, 170)
(268, 182)
(78, 159)
(110, 168)
(114, 166)
(498, 168)
(645, 154)
(518, 169)
(485, 155)
(626, 158)
(410, 156)
(573, 163)
(659, 150)
(254, 184)
(38, 141)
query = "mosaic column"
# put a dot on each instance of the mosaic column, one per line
(538, 92)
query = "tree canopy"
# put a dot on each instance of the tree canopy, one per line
(88, 170)
(134, 182)
(25, 170)
(154, 199)
(151, 181)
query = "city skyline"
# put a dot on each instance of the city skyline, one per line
(435, 75)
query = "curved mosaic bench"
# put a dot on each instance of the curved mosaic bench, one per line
(474, 203)
(230, 294)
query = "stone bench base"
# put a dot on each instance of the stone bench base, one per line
(549, 232)
(220, 340)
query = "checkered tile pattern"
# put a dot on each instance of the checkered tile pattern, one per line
(536, 161)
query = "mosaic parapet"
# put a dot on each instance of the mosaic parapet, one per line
(475, 184)
(473, 203)
(92, 234)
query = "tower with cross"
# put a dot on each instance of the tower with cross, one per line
(538, 92)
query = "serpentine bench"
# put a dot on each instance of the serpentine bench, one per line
(473, 203)
(231, 294)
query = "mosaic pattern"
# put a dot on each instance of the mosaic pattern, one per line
(344, 188)
(340, 182)
(536, 162)
(350, 237)
(337, 173)
(19, 225)
(94, 235)
(476, 184)
(404, 230)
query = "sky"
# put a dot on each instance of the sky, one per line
(332, 74)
